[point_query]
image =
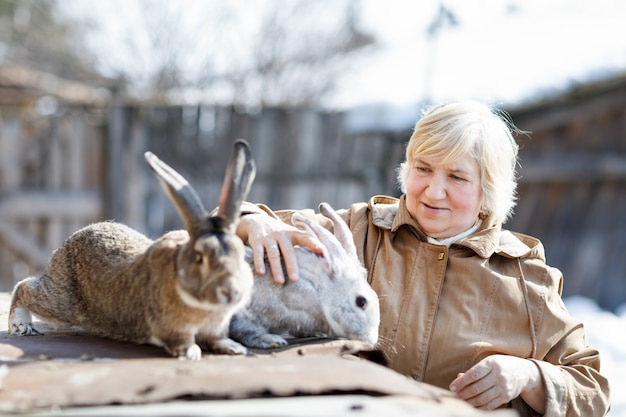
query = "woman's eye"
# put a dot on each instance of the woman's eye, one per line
(457, 178)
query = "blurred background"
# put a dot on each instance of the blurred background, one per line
(326, 92)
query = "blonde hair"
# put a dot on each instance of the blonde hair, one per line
(451, 131)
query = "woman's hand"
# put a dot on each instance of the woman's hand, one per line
(498, 379)
(265, 234)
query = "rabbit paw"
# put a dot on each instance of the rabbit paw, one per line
(270, 341)
(21, 322)
(317, 335)
(228, 346)
(192, 352)
(24, 329)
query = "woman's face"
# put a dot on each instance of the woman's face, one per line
(445, 199)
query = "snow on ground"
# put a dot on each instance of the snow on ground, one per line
(607, 332)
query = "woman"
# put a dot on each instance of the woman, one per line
(465, 304)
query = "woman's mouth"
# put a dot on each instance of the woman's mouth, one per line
(433, 209)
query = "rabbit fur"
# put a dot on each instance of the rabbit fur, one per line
(331, 298)
(179, 291)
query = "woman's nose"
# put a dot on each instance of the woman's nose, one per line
(436, 188)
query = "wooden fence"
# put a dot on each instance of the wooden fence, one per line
(302, 158)
(50, 184)
(61, 172)
(80, 165)
(573, 187)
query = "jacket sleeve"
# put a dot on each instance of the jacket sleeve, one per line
(570, 369)
(284, 215)
(252, 208)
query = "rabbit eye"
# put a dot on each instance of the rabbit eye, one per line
(361, 301)
(198, 258)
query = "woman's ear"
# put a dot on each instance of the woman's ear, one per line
(484, 211)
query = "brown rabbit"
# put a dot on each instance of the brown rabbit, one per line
(179, 291)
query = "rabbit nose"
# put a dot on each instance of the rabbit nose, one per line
(226, 294)
(361, 301)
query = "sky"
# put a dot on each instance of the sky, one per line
(502, 51)
(499, 50)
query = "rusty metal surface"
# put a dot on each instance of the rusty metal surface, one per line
(87, 375)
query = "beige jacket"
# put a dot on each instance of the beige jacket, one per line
(443, 310)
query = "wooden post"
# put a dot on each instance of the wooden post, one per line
(114, 175)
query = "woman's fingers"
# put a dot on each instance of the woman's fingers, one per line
(272, 239)
(309, 242)
(274, 258)
(281, 253)
(496, 380)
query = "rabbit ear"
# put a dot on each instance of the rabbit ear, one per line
(342, 231)
(240, 174)
(185, 199)
(334, 252)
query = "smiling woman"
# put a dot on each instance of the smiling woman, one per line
(459, 172)
(446, 198)
(464, 304)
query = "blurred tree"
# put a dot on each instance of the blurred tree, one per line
(246, 52)
(298, 52)
(33, 35)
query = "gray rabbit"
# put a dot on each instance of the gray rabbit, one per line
(179, 291)
(332, 297)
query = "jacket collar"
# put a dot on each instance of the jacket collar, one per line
(390, 213)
